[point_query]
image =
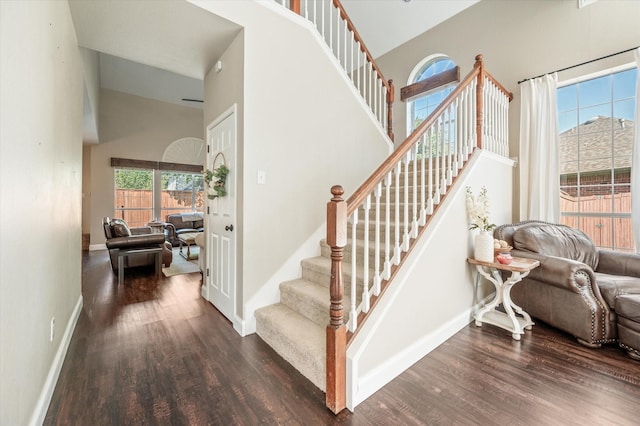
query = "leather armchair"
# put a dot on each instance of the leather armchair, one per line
(577, 286)
(119, 236)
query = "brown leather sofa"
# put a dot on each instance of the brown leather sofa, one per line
(176, 225)
(119, 236)
(590, 293)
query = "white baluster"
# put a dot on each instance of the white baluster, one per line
(414, 223)
(338, 20)
(443, 157)
(430, 170)
(467, 123)
(458, 137)
(396, 219)
(376, 260)
(405, 236)
(330, 29)
(374, 87)
(474, 145)
(353, 315)
(352, 70)
(436, 149)
(371, 84)
(365, 255)
(344, 47)
(323, 13)
(387, 227)
(385, 113)
(449, 177)
(423, 198)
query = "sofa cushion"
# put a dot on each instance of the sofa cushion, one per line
(120, 228)
(613, 287)
(559, 241)
(628, 306)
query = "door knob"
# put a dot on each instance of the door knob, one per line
(228, 228)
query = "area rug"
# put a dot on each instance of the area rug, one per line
(179, 265)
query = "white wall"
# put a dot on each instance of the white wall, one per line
(91, 66)
(521, 39)
(303, 125)
(136, 128)
(41, 90)
(433, 294)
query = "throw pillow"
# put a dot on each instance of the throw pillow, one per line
(120, 228)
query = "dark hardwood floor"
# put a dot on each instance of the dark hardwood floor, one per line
(155, 353)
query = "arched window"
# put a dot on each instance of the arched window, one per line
(423, 104)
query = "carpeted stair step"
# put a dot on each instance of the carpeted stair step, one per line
(297, 339)
(318, 271)
(325, 251)
(310, 300)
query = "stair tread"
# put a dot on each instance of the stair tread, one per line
(321, 263)
(311, 289)
(317, 292)
(297, 339)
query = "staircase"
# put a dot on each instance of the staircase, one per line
(371, 234)
(296, 327)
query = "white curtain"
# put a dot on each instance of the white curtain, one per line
(538, 158)
(635, 164)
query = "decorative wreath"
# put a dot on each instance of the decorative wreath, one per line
(216, 179)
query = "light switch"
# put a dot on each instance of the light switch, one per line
(262, 177)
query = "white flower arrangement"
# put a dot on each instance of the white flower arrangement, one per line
(478, 210)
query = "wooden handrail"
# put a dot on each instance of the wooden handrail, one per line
(363, 47)
(499, 86)
(295, 6)
(339, 212)
(368, 186)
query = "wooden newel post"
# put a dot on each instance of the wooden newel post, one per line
(336, 374)
(479, 100)
(390, 97)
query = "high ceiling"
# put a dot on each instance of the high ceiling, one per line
(163, 49)
(386, 24)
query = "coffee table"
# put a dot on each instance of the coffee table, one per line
(187, 238)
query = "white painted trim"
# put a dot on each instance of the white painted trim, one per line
(94, 247)
(394, 366)
(594, 75)
(244, 328)
(360, 388)
(40, 411)
(419, 65)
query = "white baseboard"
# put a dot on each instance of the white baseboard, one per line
(39, 413)
(245, 327)
(394, 366)
(93, 247)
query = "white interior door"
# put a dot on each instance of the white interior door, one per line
(221, 217)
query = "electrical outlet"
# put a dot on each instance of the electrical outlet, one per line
(53, 329)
